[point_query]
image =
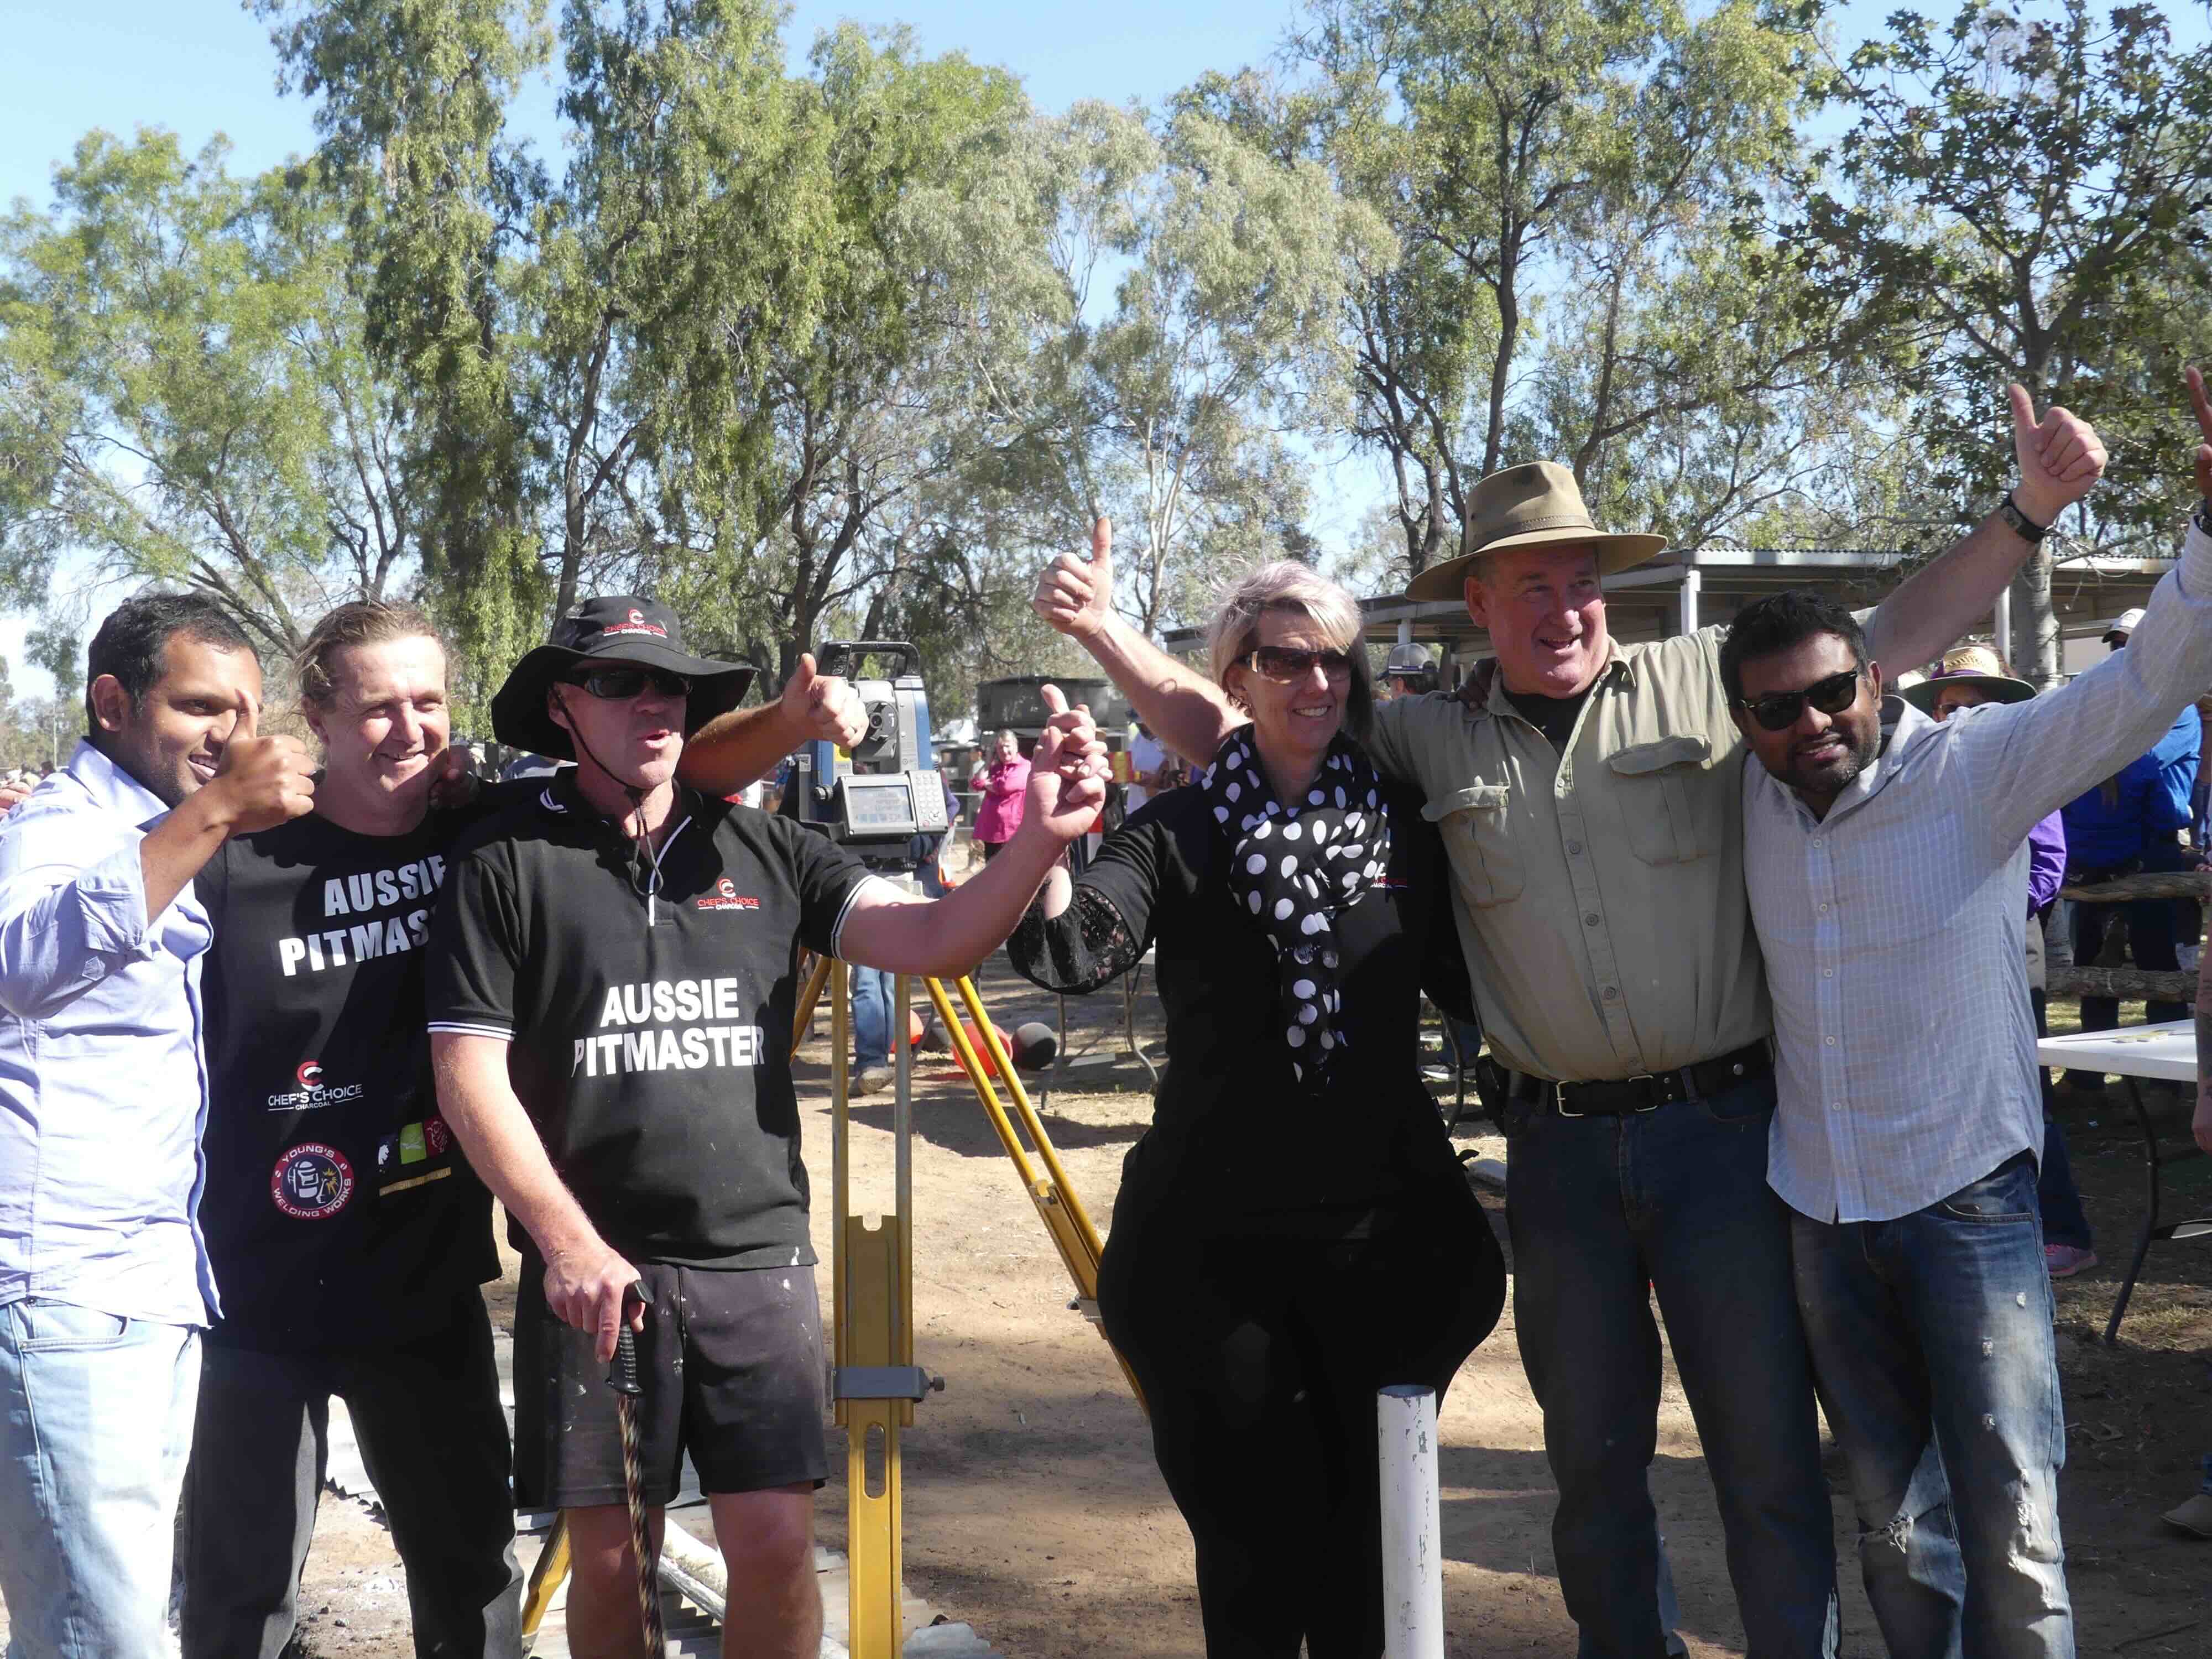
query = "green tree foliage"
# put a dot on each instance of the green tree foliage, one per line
(183, 395)
(2022, 194)
(1578, 189)
(1167, 405)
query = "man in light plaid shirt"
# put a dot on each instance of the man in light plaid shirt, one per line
(1887, 886)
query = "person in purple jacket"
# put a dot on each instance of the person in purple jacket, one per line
(1973, 674)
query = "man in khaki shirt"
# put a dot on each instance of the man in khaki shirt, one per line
(1589, 796)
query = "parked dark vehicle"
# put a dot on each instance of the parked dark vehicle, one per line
(1018, 701)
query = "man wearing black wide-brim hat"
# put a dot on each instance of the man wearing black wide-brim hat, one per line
(612, 982)
(1589, 796)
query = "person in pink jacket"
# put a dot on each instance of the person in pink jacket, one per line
(1003, 783)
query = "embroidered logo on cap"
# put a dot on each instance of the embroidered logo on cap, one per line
(636, 624)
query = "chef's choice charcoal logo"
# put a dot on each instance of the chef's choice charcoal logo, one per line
(636, 623)
(311, 1181)
(726, 896)
(312, 1091)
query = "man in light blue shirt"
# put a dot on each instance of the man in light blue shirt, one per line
(1888, 882)
(104, 1279)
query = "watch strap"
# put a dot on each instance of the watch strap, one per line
(2021, 525)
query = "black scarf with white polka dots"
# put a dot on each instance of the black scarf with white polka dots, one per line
(1293, 866)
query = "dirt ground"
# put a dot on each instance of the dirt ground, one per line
(1034, 1511)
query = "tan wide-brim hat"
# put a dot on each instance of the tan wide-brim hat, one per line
(1968, 665)
(1537, 505)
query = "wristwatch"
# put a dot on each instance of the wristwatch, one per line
(2022, 527)
(2204, 516)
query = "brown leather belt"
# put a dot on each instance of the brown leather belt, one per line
(1647, 1092)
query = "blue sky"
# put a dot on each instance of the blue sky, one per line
(200, 67)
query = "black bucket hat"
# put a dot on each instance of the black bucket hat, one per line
(623, 629)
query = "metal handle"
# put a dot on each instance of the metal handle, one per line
(839, 656)
(622, 1375)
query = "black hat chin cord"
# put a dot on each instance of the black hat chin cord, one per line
(641, 848)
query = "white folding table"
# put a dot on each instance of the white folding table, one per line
(2164, 1053)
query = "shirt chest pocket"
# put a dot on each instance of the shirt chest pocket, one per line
(1479, 842)
(1672, 798)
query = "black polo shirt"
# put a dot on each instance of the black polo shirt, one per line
(650, 1029)
(337, 1210)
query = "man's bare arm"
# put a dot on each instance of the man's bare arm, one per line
(2060, 458)
(734, 750)
(584, 1279)
(1190, 713)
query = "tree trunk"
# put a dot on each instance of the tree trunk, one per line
(2034, 645)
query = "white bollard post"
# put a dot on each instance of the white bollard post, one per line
(1413, 1559)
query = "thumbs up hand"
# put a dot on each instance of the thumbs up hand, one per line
(824, 706)
(1066, 773)
(1074, 595)
(2060, 456)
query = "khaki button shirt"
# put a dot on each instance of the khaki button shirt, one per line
(1599, 894)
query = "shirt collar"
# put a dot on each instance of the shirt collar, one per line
(111, 787)
(1617, 670)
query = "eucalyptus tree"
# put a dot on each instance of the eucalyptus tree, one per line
(2025, 191)
(184, 400)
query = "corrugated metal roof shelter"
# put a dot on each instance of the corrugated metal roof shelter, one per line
(1679, 592)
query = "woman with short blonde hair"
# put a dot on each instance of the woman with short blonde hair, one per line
(1293, 1232)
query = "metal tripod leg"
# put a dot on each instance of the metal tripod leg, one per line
(1049, 1188)
(876, 1380)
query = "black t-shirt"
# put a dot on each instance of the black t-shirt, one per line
(1236, 1144)
(650, 1035)
(1554, 717)
(337, 1212)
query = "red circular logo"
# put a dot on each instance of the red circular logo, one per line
(309, 1072)
(311, 1181)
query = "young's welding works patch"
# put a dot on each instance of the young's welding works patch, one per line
(311, 1181)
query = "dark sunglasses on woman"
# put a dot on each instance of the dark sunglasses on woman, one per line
(1280, 662)
(1778, 711)
(619, 685)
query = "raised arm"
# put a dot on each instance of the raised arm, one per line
(584, 1279)
(943, 937)
(733, 750)
(1190, 713)
(2027, 759)
(2060, 457)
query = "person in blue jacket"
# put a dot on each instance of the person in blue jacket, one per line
(2131, 824)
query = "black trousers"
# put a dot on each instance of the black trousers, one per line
(434, 1438)
(1259, 1359)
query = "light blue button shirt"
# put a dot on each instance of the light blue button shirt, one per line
(1894, 928)
(103, 1085)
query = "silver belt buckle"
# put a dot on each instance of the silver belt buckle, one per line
(1655, 1103)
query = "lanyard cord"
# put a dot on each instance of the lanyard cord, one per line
(645, 885)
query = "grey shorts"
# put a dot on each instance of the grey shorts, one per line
(731, 1363)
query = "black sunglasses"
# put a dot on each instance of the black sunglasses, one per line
(1280, 662)
(1778, 711)
(619, 685)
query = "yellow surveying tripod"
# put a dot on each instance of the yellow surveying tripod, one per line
(876, 1382)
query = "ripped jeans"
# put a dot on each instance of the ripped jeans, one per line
(1931, 1340)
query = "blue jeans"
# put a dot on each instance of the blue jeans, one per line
(1933, 1332)
(871, 1017)
(1603, 1212)
(95, 1424)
